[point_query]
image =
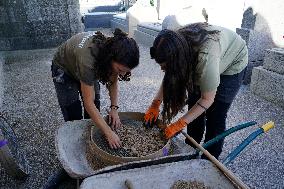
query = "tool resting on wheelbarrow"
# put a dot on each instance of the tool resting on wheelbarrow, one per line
(233, 154)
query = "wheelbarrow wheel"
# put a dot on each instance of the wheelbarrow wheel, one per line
(11, 159)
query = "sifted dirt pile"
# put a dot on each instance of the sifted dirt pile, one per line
(182, 184)
(137, 141)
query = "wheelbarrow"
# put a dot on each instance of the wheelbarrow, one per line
(71, 149)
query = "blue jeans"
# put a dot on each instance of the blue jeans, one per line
(216, 114)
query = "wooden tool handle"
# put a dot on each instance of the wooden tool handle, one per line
(224, 169)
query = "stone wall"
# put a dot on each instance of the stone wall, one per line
(267, 81)
(31, 24)
(262, 29)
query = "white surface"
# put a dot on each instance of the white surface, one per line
(139, 13)
(161, 176)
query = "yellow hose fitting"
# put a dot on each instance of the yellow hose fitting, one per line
(268, 126)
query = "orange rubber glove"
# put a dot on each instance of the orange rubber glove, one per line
(174, 128)
(152, 113)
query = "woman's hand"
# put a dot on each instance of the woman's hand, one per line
(113, 119)
(174, 128)
(113, 140)
(151, 115)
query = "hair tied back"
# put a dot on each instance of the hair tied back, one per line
(119, 33)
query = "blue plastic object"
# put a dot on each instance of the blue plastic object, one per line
(3, 143)
(241, 146)
(228, 132)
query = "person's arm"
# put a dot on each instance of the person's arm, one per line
(113, 94)
(206, 100)
(88, 99)
(159, 95)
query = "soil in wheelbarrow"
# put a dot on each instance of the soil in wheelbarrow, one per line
(137, 141)
(182, 184)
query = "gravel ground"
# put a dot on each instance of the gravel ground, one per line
(31, 106)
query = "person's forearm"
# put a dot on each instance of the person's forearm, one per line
(200, 106)
(159, 95)
(88, 100)
(97, 118)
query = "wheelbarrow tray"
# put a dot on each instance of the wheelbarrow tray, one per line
(71, 147)
(161, 176)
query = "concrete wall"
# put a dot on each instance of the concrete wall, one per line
(269, 19)
(30, 24)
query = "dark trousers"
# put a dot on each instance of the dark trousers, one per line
(216, 114)
(68, 91)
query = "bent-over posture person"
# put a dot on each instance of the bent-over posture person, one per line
(80, 63)
(204, 67)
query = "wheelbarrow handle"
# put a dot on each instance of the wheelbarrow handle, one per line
(228, 132)
(251, 137)
(224, 169)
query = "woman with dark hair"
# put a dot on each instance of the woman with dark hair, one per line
(80, 63)
(204, 67)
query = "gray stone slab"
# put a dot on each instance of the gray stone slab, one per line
(71, 2)
(3, 15)
(33, 20)
(48, 27)
(16, 13)
(117, 23)
(75, 20)
(146, 32)
(119, 20)
(5, 44)
(257, 42)
(269, 85)
(274, 60)
(249, 18)
(14, 29)
(24, 42)
(98, 19)
(144, 38)
(57, 14)
(47, 41)
(250, 66)
(150, 28)
(120, 16)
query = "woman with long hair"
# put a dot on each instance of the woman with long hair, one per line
(204, 66)
(80, 63)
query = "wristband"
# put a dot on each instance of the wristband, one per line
(201, 106)
(113, 107)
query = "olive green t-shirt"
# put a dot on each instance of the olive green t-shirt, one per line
(224, 54)
(75, 58)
